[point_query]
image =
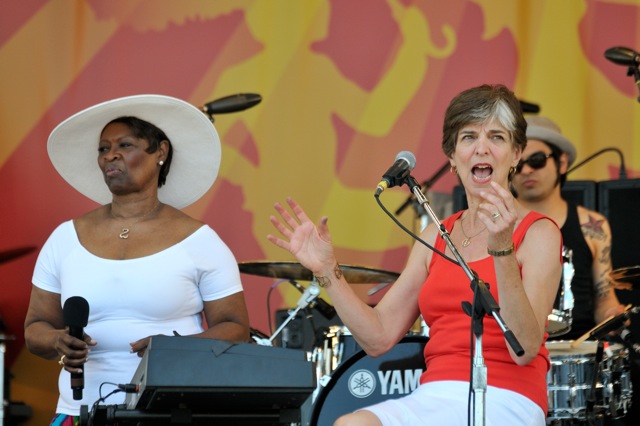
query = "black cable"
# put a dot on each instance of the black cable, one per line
(417, 238)
(100, 399)
(623, 170)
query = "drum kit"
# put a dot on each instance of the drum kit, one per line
(589, 381)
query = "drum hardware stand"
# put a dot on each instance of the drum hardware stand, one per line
(484, 304)
(591, 399)
(3, 349)
(310, 294)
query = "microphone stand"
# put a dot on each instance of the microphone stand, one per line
(484, 303)
(427, 184)
(635, 72)
(303, 302)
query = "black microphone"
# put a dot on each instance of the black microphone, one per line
(232, 103)
(320, 304)
(75, 313)
(613, 324)
(404, 164)
(622, 56)
(528, 107)
(627, 340)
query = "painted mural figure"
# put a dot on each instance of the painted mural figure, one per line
(144, 267)
(513, 249)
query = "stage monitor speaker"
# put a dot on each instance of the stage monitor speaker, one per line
(619, 202)
(583, 192)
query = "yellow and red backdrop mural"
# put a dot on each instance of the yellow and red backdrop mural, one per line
(346, 84)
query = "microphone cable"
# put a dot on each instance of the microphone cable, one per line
(623, 170)
(414, 236)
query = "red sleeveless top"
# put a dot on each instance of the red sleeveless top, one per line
(447, 354)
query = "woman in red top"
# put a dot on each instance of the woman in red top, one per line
(516, 251)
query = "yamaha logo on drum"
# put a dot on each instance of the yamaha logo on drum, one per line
(362, 383)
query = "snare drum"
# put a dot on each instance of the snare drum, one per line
(571, 381)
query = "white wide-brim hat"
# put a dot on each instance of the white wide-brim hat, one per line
(543, 129)
(73, 147)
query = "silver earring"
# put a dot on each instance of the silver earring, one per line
(160, 163)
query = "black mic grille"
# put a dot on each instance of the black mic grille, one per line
(75, 312)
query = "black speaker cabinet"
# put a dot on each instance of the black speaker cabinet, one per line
(619, 202)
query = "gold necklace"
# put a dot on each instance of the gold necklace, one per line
(467, 239)
(124, 234)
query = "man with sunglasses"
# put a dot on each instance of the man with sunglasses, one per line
(538, 179)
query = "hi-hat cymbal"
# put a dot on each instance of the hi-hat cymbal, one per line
(626, 278)
(295, 271)
(8, 255)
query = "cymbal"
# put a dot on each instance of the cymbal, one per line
(295, 271)
(8, 255)
(626, 278)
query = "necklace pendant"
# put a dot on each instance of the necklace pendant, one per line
(124, 234)
(465, 242)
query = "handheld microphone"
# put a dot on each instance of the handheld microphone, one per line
(320, 304)
(75, 313)
(308, 295)
(232, 103)
(622, 56)
(404, 163)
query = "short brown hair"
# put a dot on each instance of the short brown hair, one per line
(479, 104)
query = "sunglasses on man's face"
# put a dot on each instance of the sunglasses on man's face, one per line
(536, 161)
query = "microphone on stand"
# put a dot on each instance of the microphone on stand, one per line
(628, 57)
(395, 175)
(528, 107)
(622, 56)
(308, 295)
(320, 304)
(232, 103)
(627, 340)
(622, 172)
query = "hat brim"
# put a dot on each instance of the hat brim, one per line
(73, 147)
(549, 136)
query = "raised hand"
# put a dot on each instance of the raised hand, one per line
(311, 245)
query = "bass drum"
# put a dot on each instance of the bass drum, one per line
(362, 380)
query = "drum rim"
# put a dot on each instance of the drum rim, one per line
(345, 365)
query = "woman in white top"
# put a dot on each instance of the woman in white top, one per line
(144, 267)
